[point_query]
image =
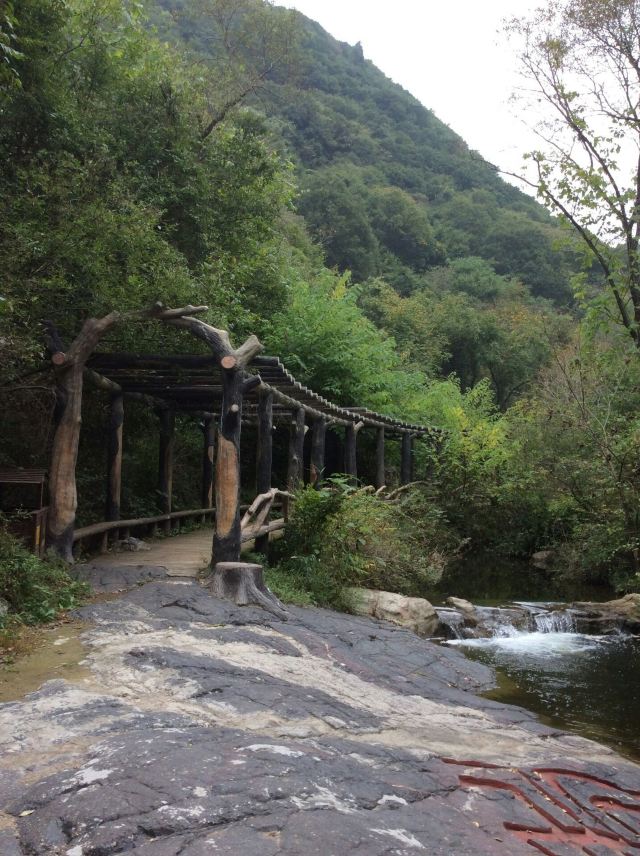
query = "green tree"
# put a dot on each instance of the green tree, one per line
(581, 58)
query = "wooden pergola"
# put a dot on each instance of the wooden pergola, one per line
(192, 384)
(226, 388)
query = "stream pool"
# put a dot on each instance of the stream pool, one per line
(586, 684)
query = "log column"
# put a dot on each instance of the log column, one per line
(296, 450)
(208, 448)
(265, 454)
(350, 451)
(114, 457)
(318, 437)
(406, 460)
(380, 473)
(165, 463)
(227, 538)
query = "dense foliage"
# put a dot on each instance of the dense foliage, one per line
(387, 188)
(277, 176)
(340, 537)
(34, 591)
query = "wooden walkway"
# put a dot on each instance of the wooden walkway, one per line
(182, 555)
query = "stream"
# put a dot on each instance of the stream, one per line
(583, 683)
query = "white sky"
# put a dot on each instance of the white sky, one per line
(449, 54)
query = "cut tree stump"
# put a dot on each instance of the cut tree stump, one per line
(243, 583)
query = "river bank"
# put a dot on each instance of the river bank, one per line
(203, 724)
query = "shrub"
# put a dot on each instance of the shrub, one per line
(339, 537)
(35, 590)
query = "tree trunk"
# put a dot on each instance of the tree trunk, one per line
(350, 452)
(318, 437)
(380, 473)
(265, 455)
(209, 439)
(227, 540)
(69, 368)
(114, 457)
(296, 451)
(64, 456)
(406, 461)
(165, 463)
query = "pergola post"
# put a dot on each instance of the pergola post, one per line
(318, 436)
(264, 459)
(208, 449)
(406, 458)
(114, 457)
(350, 451)
(69, 369)
(165, 463)
(296, 450)
(380, 473)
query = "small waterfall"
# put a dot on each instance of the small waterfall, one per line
(521, 619)
(453, 621)
(558, 621)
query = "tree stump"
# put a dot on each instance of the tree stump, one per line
(243, 583)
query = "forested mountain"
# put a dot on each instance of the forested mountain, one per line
(386, 187)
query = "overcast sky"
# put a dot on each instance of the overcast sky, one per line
(449, 54)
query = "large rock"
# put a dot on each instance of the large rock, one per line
(415, 613)
(621, 614)
(543, 559)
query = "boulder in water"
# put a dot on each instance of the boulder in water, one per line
(415, 613)
(461, 604)
(621, 614)
(543, 559)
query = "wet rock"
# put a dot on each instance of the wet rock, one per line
(543, 559)
(468, 613)
(207, 727)
(622, 614)
(415, 613)
(461, 604)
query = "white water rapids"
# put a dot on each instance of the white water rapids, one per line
(534, 629)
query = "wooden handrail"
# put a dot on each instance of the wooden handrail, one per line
(110, 525)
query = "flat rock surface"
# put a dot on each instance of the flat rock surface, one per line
(205, 728)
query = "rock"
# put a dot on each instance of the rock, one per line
(629, 606)
(543, 559)
(468, 613)
(4, 608)
(621, 614)
(461, 604)
(415, 613)
(134, 545)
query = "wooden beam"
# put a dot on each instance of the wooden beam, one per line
(318, 437)
(114, 457)
(264, 459)
(406, 459)
(380, 471)
(296, 450)
(208, 450)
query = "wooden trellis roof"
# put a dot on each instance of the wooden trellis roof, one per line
(192, 383)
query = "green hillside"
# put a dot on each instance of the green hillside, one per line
(386, 187)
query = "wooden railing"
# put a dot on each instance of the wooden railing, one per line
(149, 526)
